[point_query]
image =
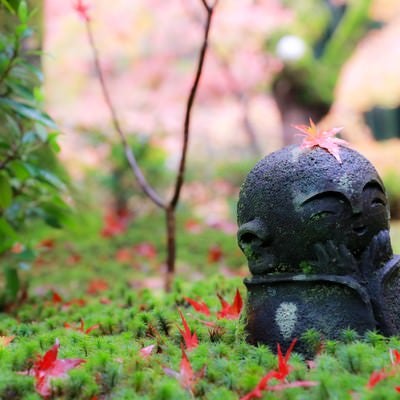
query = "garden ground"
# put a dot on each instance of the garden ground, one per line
(100, 295)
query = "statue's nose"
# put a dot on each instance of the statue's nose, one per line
(357, 208)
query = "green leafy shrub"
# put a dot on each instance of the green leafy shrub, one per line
(29, 188)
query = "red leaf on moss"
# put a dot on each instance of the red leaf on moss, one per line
(230, 311)
(394, 356)
(146, 351)
(324, 139)
(78, 302)
(81, 328)
(280, 374)
(186, 376)
(47, 367)
(193, 226)
(74, 258)
(17, 248)
(199, 307)
(47, 244)
(96, 285)
(82, 9)
(375, 378)
(114, 225)
(256, 393)
(190, 339)
(283, 361)
(215, 254)
(56, 298)
(6, 340)
(124, 255)
(146, 250)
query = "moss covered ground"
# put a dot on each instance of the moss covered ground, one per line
(114, 285)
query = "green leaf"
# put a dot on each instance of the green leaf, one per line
(21, 90)
(7, 235)
(22, 31)
(52, 141)
(28, 112)
(12, 283)
(46, 176)
(19, 170)
(38, 94)
(7, 5)
(5, 192)
(23, 14)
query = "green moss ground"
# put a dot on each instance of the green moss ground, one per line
(133, 313)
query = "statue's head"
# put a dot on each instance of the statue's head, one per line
(294, 199)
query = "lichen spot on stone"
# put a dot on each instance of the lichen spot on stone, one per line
(286, 318)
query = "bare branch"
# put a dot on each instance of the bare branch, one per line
(189, 105)
(146, 188)
(205, 4)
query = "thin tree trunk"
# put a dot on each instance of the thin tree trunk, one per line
(171, 247)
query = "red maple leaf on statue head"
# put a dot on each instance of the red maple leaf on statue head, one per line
(324, 139)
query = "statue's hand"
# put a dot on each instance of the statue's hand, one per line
(334, 259)
(377, 253)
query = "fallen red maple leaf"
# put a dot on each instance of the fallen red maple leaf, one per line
(215, 254)
(280, 374)
(324, 139)
(78, 302)
(283, 361)
(56, 298)
(124, 255)
(256, 393)
(186, 376)
(199, 307)
(190, 339)
(47, 244)
(193, 226)
(394, 356)
(146, 351)
(96, 285)
(47, 367)
(375, 378)
(230, 311)
(6, 340)
(17, 248)
(114, 225)
(146, 250)
(81, 328)
(74, 258)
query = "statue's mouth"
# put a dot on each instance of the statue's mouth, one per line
(360, 230)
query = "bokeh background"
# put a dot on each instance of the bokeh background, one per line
(271, 64)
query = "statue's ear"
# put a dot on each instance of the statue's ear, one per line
(254, 240)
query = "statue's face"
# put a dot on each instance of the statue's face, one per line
(300, 205)
(352, 221)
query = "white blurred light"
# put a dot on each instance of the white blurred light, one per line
(290, 48)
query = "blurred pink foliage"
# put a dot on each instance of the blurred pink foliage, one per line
(148, 51)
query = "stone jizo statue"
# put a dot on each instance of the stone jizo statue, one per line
(314, 226)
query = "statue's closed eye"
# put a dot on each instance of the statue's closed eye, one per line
(374, 195)
(324, 205)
